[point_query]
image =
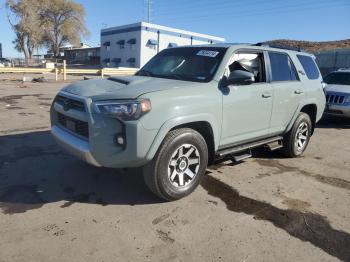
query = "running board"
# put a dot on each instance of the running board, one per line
(240, 148)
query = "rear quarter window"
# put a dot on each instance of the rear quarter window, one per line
(309, 66)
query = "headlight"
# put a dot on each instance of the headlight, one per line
(124, 110)
(347, 99)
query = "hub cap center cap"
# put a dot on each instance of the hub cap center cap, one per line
(182, 165)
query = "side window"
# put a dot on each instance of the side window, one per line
(309, 66)
(252, 62)
(282, 67)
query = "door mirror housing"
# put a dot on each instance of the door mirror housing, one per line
(240, 77)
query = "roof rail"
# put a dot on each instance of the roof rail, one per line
(279, 47)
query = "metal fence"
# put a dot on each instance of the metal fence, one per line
(332, 60)
(64, 71)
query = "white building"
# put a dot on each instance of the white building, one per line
(134, 44)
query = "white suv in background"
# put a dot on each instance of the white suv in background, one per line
(338, 93)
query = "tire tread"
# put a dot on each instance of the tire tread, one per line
(149, 169)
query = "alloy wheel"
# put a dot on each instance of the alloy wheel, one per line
(301, 136)
(183, 165)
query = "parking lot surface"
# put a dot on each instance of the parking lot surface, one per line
(268, 208)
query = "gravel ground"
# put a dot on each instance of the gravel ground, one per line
(268, 208)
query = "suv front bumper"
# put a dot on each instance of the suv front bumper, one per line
(93, 138)
(73, 145)
(338, 110)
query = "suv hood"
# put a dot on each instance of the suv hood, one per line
(124, 87)
(338, 88)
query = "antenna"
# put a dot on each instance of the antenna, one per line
(149, 9)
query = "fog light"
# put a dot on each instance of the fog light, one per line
(120, 139)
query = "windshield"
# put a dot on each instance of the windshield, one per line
(198, 64)
(338, 78)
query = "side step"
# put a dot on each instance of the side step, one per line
(275, 145)
(248, 146)
(242, 156)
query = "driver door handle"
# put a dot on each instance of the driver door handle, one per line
(266, 95)
(298, 91)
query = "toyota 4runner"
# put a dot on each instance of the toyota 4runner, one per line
(189, 106)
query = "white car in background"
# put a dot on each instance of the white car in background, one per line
(5, 62)
(337, 90)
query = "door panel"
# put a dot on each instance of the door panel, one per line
(247, 108)
(246, 113)
(287, 89)
(285, 102)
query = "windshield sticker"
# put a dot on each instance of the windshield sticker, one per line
(208, 53)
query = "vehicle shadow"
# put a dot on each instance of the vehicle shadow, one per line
(301, 224)
(35, 171)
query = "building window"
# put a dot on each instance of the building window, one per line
(107, 45)
(117, 61)
(152, 43)
(121, 44)
(131, 61)
(132, 43)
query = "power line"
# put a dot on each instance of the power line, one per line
(189, 6)
(256, 11)
(234, 11)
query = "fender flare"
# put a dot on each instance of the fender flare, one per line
(305, 102)
(181, 120)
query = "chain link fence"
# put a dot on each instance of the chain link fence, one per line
(31, 63)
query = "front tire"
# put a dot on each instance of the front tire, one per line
(297, 139)
(178, 166)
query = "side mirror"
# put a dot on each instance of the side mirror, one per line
(240, 77)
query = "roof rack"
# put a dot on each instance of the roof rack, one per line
(279, 47)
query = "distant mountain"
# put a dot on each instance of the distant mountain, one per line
(312, 47)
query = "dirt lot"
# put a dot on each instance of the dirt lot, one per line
(268, 208)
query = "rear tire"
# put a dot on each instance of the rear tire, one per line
(297, 139)
(178, 166)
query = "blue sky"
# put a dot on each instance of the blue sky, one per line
(244, 21)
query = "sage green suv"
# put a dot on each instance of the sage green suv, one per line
(189, 106)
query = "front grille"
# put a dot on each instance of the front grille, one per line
(335, 99)
(69, 103)
(336, 112)
(76, 126)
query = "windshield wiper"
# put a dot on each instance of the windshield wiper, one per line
(144, 72)
(174, 76)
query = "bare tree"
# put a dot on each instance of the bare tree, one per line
(50, 23)
(24, 19)
(63, 21)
